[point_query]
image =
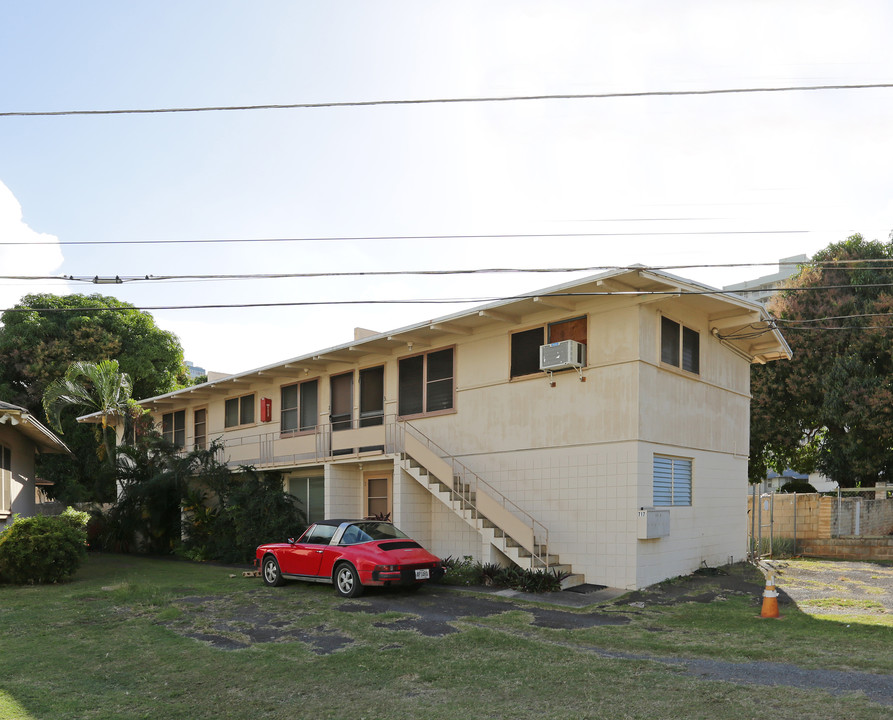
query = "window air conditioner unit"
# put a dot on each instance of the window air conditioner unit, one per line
(564, 354)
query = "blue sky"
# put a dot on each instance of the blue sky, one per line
(817, 162)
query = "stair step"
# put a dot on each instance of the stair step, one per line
(573, 581)
(461, 499)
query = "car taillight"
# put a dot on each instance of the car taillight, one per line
(386, 568)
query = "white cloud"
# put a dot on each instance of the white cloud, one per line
(29, 256)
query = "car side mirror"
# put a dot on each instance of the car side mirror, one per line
(291, 541)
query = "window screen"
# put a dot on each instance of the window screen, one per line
(309, 404)
(411, 385)
(669, 341)
(246, 410)
(691, 350)
(200, 426)
(526, 351)
(289, 403)
(342, 401)
(440, 381)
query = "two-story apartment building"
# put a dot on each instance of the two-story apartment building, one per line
(623, 461)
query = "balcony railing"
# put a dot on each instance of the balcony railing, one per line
(276, 449)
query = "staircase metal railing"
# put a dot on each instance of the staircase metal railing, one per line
(469, 488)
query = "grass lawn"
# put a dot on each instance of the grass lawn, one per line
(135, 637)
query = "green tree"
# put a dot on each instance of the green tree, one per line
(44, 334)
(92, 388)
(830, 408)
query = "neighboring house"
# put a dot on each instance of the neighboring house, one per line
(22, 437)
(775, 482)
(623, 462)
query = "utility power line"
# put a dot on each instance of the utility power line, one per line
(457, 100)
(426, 301)
(845, 265)
(370, 238)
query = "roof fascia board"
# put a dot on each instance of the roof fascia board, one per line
(477, 311)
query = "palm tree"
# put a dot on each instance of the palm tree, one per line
(92, 388)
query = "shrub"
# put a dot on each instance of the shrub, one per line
(468, 572)
(797, 486)
(43, 549)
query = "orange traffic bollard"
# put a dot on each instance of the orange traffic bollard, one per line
(770, 599)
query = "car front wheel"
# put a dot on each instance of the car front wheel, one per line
(271, 572)
(347, 581)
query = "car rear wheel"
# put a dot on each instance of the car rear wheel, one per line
(347, 581)
(270, 571)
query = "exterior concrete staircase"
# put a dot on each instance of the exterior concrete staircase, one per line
(500, 522)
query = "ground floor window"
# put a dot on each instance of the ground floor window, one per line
(310, 492)
(672, 481)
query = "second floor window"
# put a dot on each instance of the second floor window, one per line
(173, 427)
(299, 404)
(426, 383)
(525, 357)
(200, 423)
(239, 411)
(680, 346)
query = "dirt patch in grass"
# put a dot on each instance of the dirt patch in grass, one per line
(433, 612)
(704, 586)
(225, 626)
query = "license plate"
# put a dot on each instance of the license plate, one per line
(422, 574)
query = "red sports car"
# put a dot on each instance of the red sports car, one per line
(350, 554)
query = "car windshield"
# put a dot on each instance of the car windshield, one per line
(368, 531)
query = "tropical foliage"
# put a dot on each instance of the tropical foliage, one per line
(91, 388)
(194, 505)
(830, 409)
(39, 340)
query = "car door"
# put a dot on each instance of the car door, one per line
(305, 556)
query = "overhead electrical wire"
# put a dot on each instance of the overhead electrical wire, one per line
(457, 100)
(671, 292)
(847, 265)
(370, 238)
